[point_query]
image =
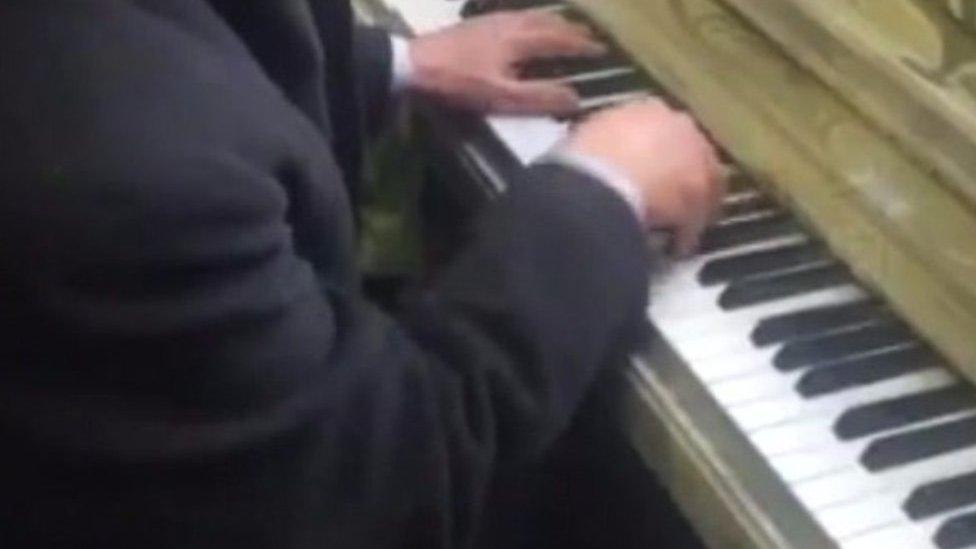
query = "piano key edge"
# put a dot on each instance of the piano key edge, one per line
(715, 476)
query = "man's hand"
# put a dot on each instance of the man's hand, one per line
(475, 64)
(666, 156)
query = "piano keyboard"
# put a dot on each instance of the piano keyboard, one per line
(866, 426)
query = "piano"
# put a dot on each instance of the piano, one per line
(809, 378)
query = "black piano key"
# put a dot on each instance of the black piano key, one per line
(752, 204)
(738, 181)
(903, 411)
(941, 496)
(753, 291)
(729, 235)
(627, 82)
(581, 114)
(919, 444)
(724, 156)
(786, 327)
(480, 7)
(957, 532)
(863, 370)
(473, 8)
(832, 347)
(751, 264)
(560, 67)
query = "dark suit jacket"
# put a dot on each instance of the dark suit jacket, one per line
(187, 360)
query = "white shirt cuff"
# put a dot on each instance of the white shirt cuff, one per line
(606, 174)
(403, 69)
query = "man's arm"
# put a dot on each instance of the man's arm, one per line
(188, 351)
(207, 343)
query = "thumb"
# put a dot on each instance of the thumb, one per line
(688, 234)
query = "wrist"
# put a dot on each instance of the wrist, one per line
(426, 65)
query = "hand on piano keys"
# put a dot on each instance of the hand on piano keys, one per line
(476, 64)
(680, 185)
(544, 61)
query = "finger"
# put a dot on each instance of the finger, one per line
(716, 179)
(557, 38)
(688, 234)
(696, 216)
(706, 184)
(546, 44)
(721, 182)
(551, 20)
(720, 178)
(535, 97)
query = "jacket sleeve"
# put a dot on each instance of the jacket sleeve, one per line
(184, 368)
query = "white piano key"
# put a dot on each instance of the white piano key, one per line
(901, 534)
(766, 386)
(804, 465)
(830, 454)
(766, 213)
(735, 197)
(766, 413)
(700, 316)
(807, 435)
(854, 483)
(423, 16)
(793, 406)
(734, 364)
(686, 270)
(904, 532)
(744, 320)
(600, 74)
(528, 137)
(719, 339)
(871, 517)
(604, 101)
(730, 332)
(703, 304)
(733, 343)
(531, 137)
(861, 516)
(878, 517)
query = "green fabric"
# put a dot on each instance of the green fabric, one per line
(390, 241)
